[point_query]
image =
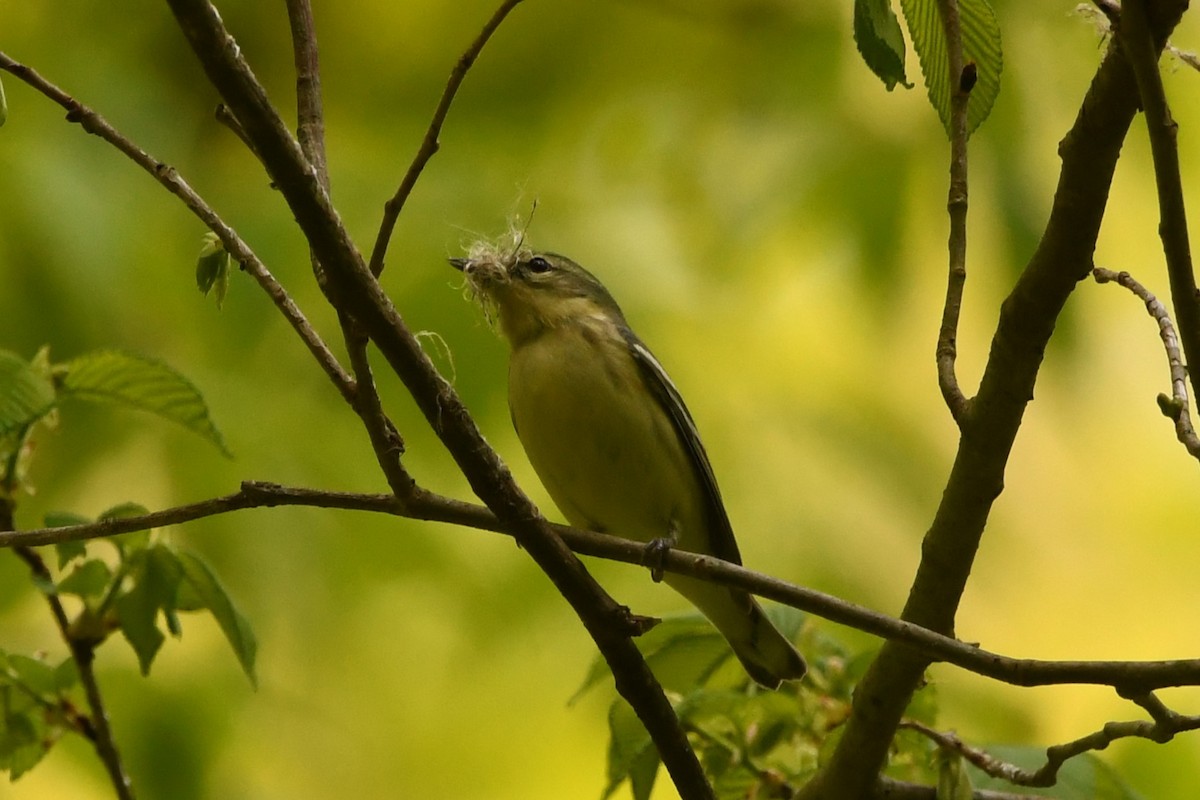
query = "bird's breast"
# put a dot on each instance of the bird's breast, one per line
(605, 450)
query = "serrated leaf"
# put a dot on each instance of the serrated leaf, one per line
(25, 395)
(880, 41)
(213, 267)
(233, 624)
(981, 45)
(87, 580)
(131, 380)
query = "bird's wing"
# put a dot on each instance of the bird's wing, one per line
(720, 532)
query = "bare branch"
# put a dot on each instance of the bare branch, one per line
(890, 789)
(170, 179)
(1176, 406)
(430, 144)
(1161, 729)
(1143, 48)
(1131, 678)
(961, 79)
(310, 114)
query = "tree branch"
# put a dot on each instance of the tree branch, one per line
(429, 144)
(386, 441)
(355, 290)
(961, 81)
(890, 789)
(1131, 678)
(170, 179)
(1174, 407)
(1027, 318)
(1161, 729)
(1142, 47)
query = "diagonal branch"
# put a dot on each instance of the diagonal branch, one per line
(355, 290)
(1142, 45)
(385, 440)
(169, 178)
(1028, 315)
(429, 144)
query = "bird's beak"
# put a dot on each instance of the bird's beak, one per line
(460, 264)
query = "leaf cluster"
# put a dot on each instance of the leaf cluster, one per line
(765, 744)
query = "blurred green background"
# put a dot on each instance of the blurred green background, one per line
(772, 221)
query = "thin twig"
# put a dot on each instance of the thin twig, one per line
(1175, 407)
(1143, 50)
(359, 294)
(430, 144)
(1089, 154)
(961, 82)
(891, 789)
(1161, 729)
(1131, 678)
(385, 438)
(170, 178)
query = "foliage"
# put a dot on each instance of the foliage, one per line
(139, 589)
(762, 744)
(881, 44)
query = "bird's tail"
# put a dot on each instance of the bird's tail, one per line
(766, 654)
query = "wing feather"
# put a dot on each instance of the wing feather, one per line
(720, 532)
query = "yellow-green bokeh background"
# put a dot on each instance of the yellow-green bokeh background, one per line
(772, 221)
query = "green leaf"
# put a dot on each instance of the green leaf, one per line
(3, 106)
(981, 45)
(124, 511)
(64, 519)
(631, 753)
(142, 383)
(66, 674)
(34, 674)
(212, 268)
(155, 577)
(880, 41)
(21, 745)
(67, 551)
(87, 580)
(233, 624)
(954, 783)
(25, 395)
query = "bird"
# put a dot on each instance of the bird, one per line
(609, 436)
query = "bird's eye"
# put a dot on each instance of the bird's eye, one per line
(538, 265)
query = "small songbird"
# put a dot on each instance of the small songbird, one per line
(608, 434)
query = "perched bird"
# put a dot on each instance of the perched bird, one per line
(608, 434)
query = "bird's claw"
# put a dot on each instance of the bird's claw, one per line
(655, 556)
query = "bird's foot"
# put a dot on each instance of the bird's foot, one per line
(655, 556)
